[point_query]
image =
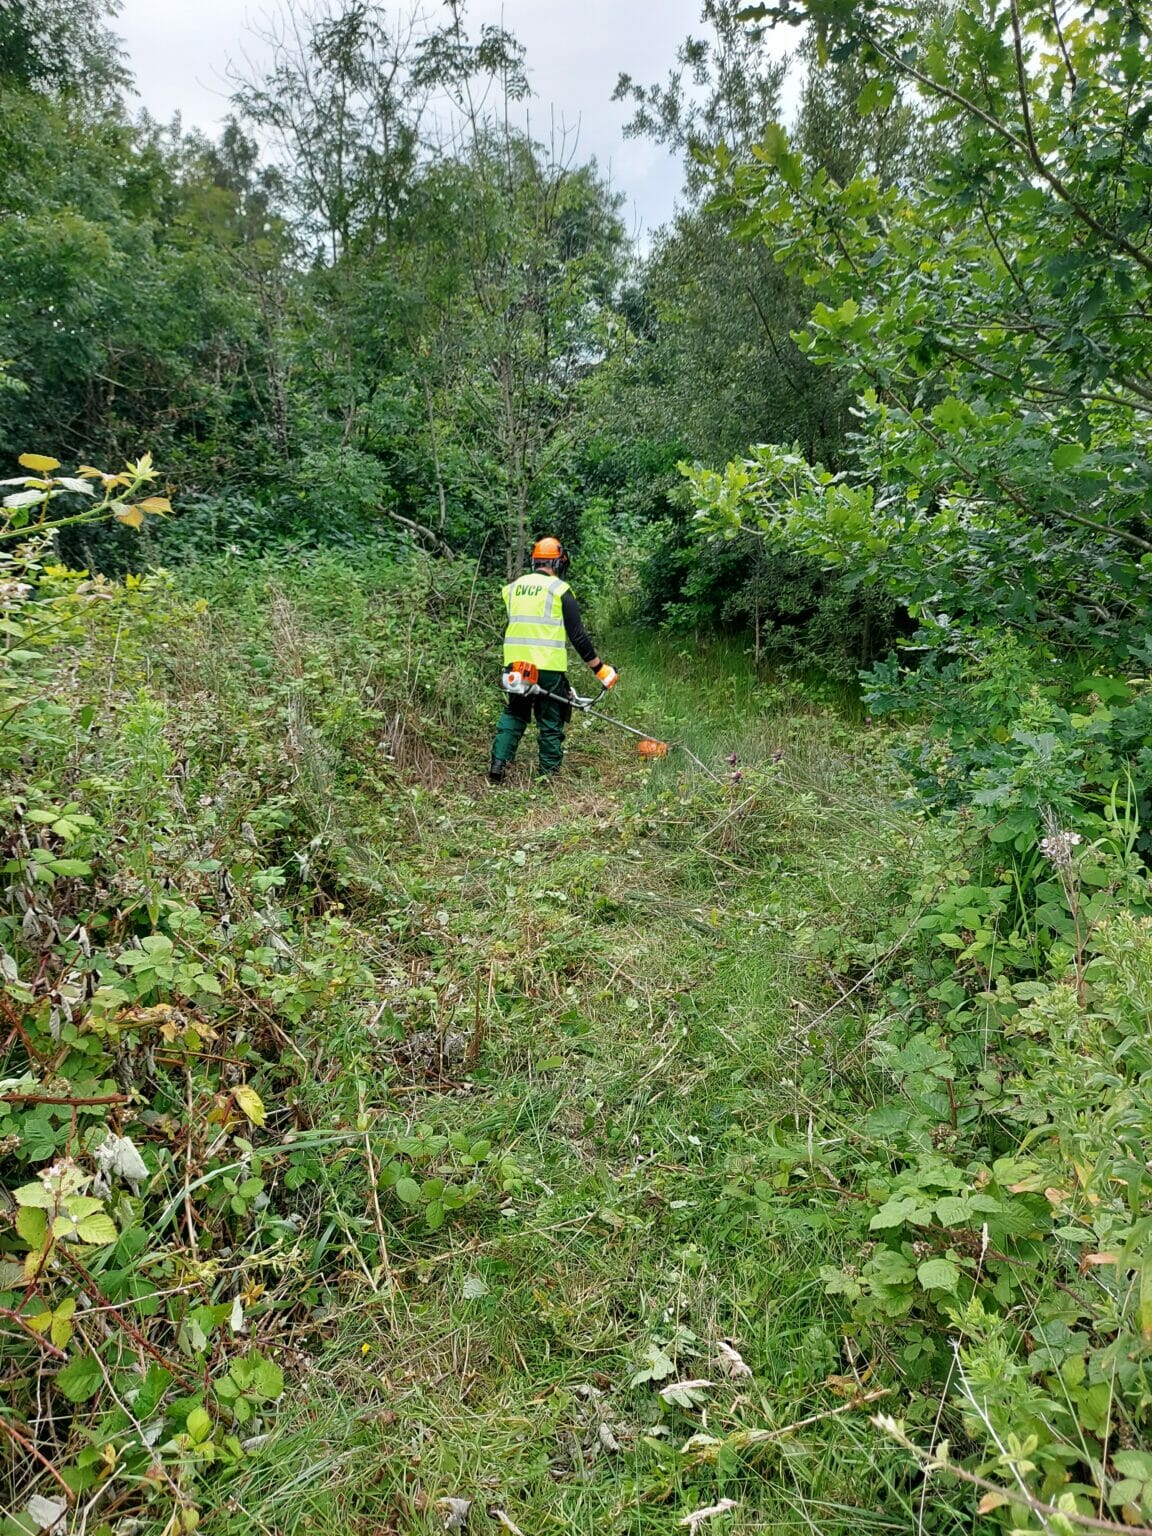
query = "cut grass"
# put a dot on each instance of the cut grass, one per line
(639, 938)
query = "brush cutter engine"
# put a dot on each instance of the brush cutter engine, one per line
(522, 677)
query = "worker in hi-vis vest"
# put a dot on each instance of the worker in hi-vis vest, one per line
(543, 619)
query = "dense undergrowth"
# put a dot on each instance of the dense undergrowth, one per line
(591, 1156)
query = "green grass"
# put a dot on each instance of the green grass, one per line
(639, 935)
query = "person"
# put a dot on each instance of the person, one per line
(543, 619)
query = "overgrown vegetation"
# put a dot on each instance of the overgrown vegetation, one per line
(754, 1138)
(292, 1022)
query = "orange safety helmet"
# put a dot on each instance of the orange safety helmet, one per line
(552, 551)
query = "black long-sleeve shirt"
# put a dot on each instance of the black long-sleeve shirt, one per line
(574, 628)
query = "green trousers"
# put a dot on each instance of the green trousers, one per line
(550, 715)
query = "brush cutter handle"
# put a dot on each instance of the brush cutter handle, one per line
(577, 701)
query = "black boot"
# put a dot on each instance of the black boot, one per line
(496, 771)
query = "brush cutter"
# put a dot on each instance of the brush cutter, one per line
(523, 678)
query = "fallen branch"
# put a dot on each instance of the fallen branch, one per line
(706, 1448)
(434, 541)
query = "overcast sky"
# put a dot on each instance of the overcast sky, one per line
(180, 49)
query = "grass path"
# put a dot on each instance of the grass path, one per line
(636, 944)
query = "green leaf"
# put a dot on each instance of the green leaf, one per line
(73, 869)
(267, 1378)
(408, 1190)
(79, 1206)
(953, 1210)
(895, 1212)
(155, 1385)
(32, 1225)
(791, 169)
(773, 145)
(199, 1425)
(34, 1195)
(952, 415)
(877, 96)
(97, 1229)
(80, 1379)
(1067, 456)
(1129, 1490)
(1133, 1464)
(655, 1366)
(938, 1275)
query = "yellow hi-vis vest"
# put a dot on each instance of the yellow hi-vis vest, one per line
(535, 630)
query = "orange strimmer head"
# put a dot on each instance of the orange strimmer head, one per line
(650, 748)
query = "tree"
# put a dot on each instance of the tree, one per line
(534, 244)
(343, 104)
(723, 89)
(715, 366)
(59, 46)
(120, 307)
(993, 319)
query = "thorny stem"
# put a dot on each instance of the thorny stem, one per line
(45, 1344)
(53, 1098)
(1011, 1496)
(94, 1293)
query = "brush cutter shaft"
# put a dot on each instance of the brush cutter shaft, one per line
(588, 705)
